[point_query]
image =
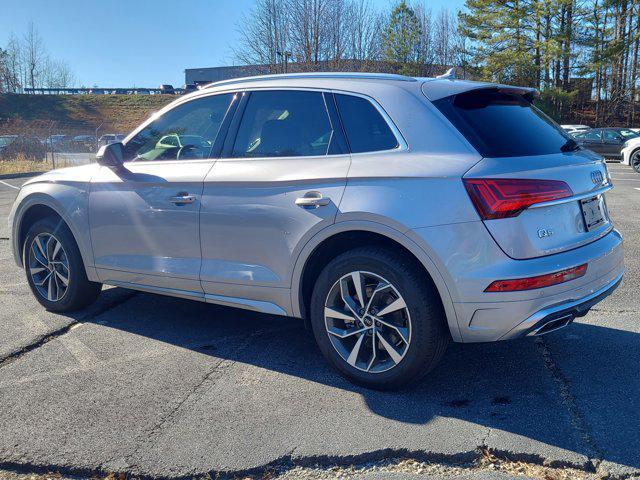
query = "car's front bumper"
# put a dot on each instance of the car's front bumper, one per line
(625, 154)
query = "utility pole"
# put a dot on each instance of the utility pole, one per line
(285, 58)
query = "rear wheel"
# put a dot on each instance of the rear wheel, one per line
(635, 161)
(377, 319)
(54, 267)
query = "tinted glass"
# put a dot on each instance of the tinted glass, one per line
(500, 124)
(186, 132)
(366, 129)
(626, 133)
(590, 135)
(282, 123)
(612, 135)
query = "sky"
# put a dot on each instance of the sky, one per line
(144, 43)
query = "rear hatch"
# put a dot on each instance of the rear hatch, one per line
(535, 190)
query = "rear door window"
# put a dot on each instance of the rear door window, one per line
(590, 135)
(503, 124)
(612, 136)
(284, 123)
(366, 129)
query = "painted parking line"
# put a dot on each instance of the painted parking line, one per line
(9, 185)
(636, 188)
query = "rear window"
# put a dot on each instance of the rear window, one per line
(366, 130)
(500, 124)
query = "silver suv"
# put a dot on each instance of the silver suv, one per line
(393, 214)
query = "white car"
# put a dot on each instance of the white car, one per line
(631, 153)
(575, 128)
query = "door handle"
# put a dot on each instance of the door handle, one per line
(183, 198)
(313, 199)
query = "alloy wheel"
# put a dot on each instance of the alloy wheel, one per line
(635, 161)
(48, 266)
(367, 321)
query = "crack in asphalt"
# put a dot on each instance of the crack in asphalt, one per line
(196, 391)
(46, 338)
(595, 454)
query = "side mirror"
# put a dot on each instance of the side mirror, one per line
(110, 155)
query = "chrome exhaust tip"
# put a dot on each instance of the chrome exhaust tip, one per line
(552, 325)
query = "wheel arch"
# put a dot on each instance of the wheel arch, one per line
(343, 236)
(35, 207)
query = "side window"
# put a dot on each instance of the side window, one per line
(611, 135)
(183, 133)
(626, 133)
(366, 129)
(281, 123)
(590, 135)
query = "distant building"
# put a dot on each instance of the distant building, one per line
(201, 76)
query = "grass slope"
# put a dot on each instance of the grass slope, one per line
(117, 113)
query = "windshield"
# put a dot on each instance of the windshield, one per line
(501, 124)
(4, 141)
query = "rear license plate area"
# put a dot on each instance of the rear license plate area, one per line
(593, 212)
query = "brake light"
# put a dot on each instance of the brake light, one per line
(507, 197)
(540, 281)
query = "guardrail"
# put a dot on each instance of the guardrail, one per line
(100, 91)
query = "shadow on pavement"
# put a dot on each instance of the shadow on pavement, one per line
(505, 386)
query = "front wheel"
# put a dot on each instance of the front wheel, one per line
(635, 161)
(54, 267)
(377, 319)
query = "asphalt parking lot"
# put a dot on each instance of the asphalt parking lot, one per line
(162, 387)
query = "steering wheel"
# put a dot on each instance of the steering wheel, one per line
(185, 149)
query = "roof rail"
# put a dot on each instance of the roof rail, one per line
(279, 76)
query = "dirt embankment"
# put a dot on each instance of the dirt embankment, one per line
(116, 113)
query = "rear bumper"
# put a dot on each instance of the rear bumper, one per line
(555, 317)
(470, 260)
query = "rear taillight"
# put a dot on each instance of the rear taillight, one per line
(540, 281)
(507, 197)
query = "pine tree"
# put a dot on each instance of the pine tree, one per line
(401, 38)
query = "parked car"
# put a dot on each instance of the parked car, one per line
(189, 87)
(83, 143)
(167, 89)
(57, 142)
(13, 147)
(608, 142)
(393, 214)
(573, 129)
(108, 138)
(631, 153)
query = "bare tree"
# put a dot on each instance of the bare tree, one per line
(34, 54)
(57, 74)
(445, 29)
(264, 34)
(363, 29)
(13, 64)
(426, 53)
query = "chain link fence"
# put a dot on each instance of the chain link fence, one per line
(42, 145)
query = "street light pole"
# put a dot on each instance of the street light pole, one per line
(285, 58)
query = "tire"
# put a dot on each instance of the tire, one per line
(634, 161)
(409, 303)
(44, 260)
